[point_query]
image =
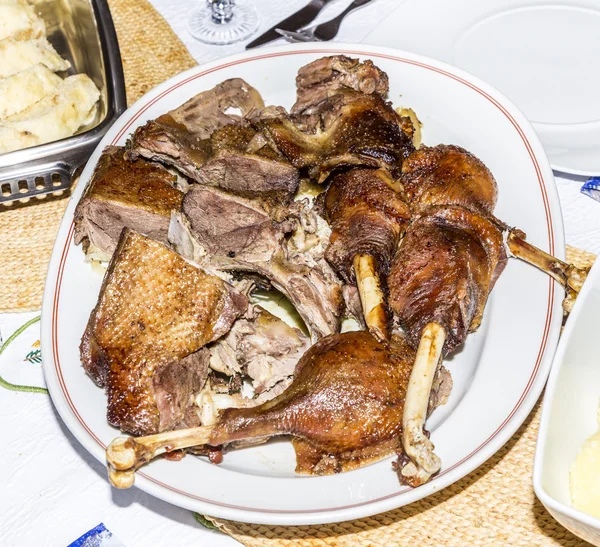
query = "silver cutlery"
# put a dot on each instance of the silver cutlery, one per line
(299, 19)
(323, 32)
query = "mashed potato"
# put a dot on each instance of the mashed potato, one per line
(585, 476)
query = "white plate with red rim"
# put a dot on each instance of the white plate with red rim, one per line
(498, 375)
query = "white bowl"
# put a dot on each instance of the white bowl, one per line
(569, 414)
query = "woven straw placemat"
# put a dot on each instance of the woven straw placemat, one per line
(494, 505)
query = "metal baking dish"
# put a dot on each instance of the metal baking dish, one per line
(82, 31)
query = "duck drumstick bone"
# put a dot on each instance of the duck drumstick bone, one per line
(570, 277)
(417, 446)
(368, 215)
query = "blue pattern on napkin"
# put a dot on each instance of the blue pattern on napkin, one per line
(592, 188)
(100, 536)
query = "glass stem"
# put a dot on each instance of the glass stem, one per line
(222, 10)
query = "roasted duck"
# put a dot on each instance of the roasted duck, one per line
(121, 194)
(368, 216)
(209, 139)
(341, 413)
(411, 231)
(145, 337)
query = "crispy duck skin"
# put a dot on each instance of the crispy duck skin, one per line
(443, 272)
(343, 410)
(449, 175)
(367, 132)
(368, 215)
(144, 340)
(138, 195)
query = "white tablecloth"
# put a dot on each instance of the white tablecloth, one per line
(52, 490)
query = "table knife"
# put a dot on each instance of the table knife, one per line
(298, 20)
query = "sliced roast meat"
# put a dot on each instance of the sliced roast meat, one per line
(155, 312)
(229, 233)
(175, 385)
(165, 141)
(243, 163)
(181, 136)
(138, 195)
(227, 102)
(232, 227)
(209, 140)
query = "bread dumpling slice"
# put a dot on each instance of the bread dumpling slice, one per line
(18, 20)
(53, 118)
(17, 55)
(24, 89)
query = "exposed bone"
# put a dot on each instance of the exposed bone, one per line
(125, 454)
(570, 277)
(424, 463)
(371, 296)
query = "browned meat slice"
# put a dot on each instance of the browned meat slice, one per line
(138, 195)
(449, 175)
(242, 162)
(165, 141)
(264, 348)
(208, 140)
(366, 132)
(180, 137)
(324, 77)
(231, 228)
(228, 233)
(444, 271)
(367, 216)
(343, 410)
(155, 312)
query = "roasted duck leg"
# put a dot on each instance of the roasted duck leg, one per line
(447, 174)
(368, 216)
(443, 272)
(341, 412)
(439, 283)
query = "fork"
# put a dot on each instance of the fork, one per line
(323, 32)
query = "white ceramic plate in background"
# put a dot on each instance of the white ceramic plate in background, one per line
(543, 54)
(498, 375)
(570, 411)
